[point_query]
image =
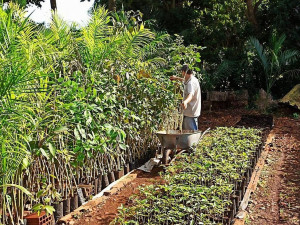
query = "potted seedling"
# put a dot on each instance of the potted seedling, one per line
(105, 180)
(74, 200)
(110, 173)
(57, 203)
(119, 172)
(42, 212)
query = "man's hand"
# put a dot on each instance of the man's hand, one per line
(184, 105)
(173, 78)
(186, 101)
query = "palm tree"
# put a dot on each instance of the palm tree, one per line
(274, 59)
(15, 78)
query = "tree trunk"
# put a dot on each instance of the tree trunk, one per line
(53, 5)
(173, 4)
(112, 5)
(251, 12)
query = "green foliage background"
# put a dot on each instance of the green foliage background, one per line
(223, 28)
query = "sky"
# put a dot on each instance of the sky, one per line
(69, 10)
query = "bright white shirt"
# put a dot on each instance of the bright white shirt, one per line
(194, 106)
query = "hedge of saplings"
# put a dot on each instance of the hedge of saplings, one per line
(78, 104)
(200, 188)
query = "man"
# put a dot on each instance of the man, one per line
(191, 104)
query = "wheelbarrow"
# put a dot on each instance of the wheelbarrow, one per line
(173, 141)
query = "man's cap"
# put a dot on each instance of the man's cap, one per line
(185, 68)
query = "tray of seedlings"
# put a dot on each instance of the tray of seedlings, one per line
(203, 187)
(262, 122)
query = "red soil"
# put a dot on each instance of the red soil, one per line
(103, 214)
(277, 199)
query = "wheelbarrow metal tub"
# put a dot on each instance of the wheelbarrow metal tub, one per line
(176, 139)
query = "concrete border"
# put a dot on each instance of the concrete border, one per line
(101, 197)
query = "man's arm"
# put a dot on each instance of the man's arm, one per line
(187, 100)
(176, 78)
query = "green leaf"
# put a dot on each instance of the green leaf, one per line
(24, 190)
(76, 133)
(122, 135)
(60, 130)
(123, 146)
(52, 149)
(39, 193)
(44, 153)
(81, 131)
(25, 163)
(37, 208)
(135, 117)
(89, 121)
(49, 209)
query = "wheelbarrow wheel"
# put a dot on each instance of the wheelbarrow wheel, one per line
(166, 155)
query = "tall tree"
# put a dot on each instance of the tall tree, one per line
(251, 12)
(53, 5)
(24, 2)
(112, 5)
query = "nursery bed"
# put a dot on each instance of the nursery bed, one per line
(100, 216)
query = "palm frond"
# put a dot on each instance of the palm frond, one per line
(98, 26)
(137, 39)
(13, 23)
(157, 62)
(291, 73)
(60, 32)
(261, 53)
(157, 44)
(277, 43)
(288, 57)
(97, 30)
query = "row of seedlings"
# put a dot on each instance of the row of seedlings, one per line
(204, 187)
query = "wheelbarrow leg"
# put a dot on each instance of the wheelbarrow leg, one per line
(159, 151)
(166, 155)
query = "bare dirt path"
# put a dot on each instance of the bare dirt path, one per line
(277, 199)
(222, 118)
